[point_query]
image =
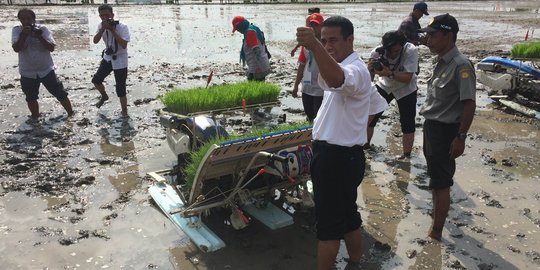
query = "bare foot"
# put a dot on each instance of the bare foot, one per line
(102, 100)
(435, 233)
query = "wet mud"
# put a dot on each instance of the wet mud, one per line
(73, 191)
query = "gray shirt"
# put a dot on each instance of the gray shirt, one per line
(34, 59)
(452, 82)
(256, 57)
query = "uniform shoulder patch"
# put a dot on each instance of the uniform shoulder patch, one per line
(465, 73)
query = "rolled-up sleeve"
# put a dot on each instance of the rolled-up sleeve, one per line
(377, 103)
(357, 81)
(15, 33)
(47, 35)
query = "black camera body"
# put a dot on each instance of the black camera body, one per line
(378, 59)
(36, 29)
(109, 51)
(112, 22)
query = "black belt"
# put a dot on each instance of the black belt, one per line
(319, 143)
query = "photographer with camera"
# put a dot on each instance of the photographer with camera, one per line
(115, 35)
(34, 44)
(396, 63)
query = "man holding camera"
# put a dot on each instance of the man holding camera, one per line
(396, 63)
(115, 35)
(448, 110)
(34, 43)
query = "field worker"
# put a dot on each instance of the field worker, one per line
(410, 25)
(448, 111)
(253, 51)
(34, 44)
(308, 73)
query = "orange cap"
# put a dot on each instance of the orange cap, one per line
(236, 21)
(316, 18)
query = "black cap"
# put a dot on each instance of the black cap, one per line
(444, 22)
(422, 7)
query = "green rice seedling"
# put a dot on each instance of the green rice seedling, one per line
(526, 50)
(196, 157)
(185, 101)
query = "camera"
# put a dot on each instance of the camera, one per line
(112, 22)
(36, 29)
(378, 58)
(109, 51)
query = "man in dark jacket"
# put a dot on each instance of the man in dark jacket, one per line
(410, 25)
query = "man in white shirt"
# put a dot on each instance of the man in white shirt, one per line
(115, 35)
(339, 133)
(34, 44)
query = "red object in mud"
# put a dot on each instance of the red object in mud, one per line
(527, 35)
(290, 179)
(209, 78)
(241, 214)
(261, 171)
(243, 103)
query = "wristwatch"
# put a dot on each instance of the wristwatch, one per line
(462, 136)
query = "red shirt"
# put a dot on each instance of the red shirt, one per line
(302, 56)
(251, 39)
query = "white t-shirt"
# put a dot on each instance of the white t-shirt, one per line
(343, 115)
(121, 53)
(407, 62)
(34, 59)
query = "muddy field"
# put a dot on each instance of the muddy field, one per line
(73, 191)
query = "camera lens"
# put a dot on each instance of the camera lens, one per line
(377, 65)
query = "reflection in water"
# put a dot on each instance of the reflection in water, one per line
(127, 180)
(429, 257)
(53, 201)
(117, 141)
(385, 192)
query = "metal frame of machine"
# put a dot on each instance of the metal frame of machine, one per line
(242, 175)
